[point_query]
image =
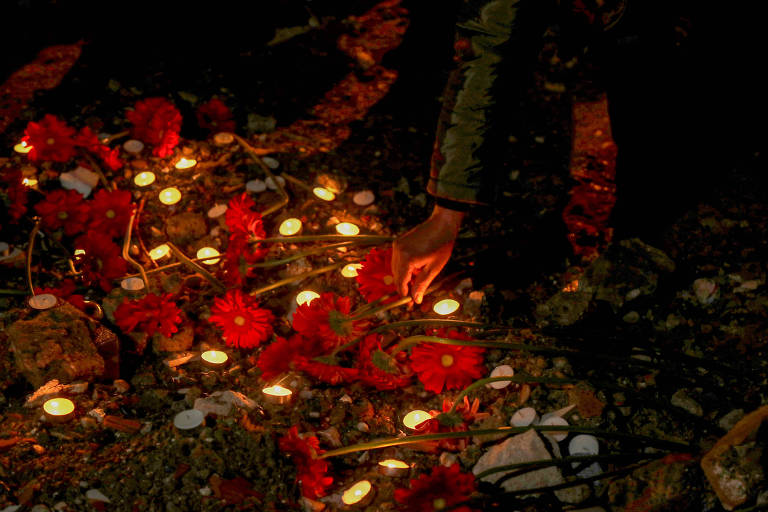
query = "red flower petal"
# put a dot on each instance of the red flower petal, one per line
(245, 325)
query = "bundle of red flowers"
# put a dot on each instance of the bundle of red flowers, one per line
(245, 226)
(102, 261)
(51, 140)
(443, 489)
(245, 325)
(150, 314)
(157, 122)
(215, 116)
(327, 320)
(311, 471)
(63, 209)
(90, 141)
(441, 367)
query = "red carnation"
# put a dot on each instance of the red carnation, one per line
(65, 291)
(215, 116)
(326, 319)
(90, 141)
(278, 357)
(242, 221)
(51, 140)
(63, 208)
(157, 122)
(375, 277)
(245, 325)
(441, 366)
(110, 212)
(443, 489)
(102, 261)
(374, 376)
(311, 471)
(150, 314)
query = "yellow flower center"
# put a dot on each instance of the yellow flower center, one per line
(446, 360)
(50, 141)
(439, 504)
(388, 280)
(110, 214)
(239, 320)
(62, 215)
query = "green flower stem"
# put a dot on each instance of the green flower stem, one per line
(536, 464)
(197, 268)
(299, 255)
(30, 249)
(7, 291)
(297, 182)
(299, 277)
(284, 197)
(432, 321)
(421, 438)
(126, 248)
(354, 239)
(521, 379)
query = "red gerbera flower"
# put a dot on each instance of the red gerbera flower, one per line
(459, 420)
(90, 141)
(242, 220)
(311, 471)
(215, 116)
(102, 262)
(157, 122)
(17, 194)
(443, 489)
(238, 258)
(447, 366)
(65, 291)
(63, 208)
(150, 314)
(51, 140)
(375, 277)
(372, 374)
(110, 212)
(245, 325)
(326, 319)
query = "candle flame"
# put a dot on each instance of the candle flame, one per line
(356, 493)
(306, 297)
(445, 307)
(207, 252)
(290, 227)
(347, 228)
(324, 193)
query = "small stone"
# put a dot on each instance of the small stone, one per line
(706, 291)
(217, 211)
(133, 146)
(179, 359)
(555, 421)
(474, 302)
(346, 398)
(121, 386)
(270, 162)
(256, 186)
(61, 506)
(204, 491)
(524, 417)
(728, 421)
(77, 387)
(331, 436)
(633, 294)
(97, 414)
(39, 508)
(682, 400)
(96, 495)
(363, 198)
(237, 399)
(213, 405)
(501, 371)
(632, 317)
(50, 389)
(448, 459)
(271, 183)
(363, 427)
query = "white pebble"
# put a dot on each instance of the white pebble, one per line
(256, 186)
(217, 211)
(132, 284)
(270, 162)
(271, 184)
(204, 491)
(96, 495)
(555, 421)
(363, 198)
(584, 444)
(363, 427)
(133, 146)
(524, 417)
(502, 371)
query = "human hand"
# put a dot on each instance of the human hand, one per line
(427, 247)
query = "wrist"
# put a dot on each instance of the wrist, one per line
(448, 217)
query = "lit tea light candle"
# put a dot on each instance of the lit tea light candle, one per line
(214, 358)
(414, 420)
(144, 178)
(79, 252)
(277, 394)
(59, 410)
(359, 494)
(29, 182)
(22, 147)
(170, 195)
(445, 307)
(208, 252)
(159, 252)
(324, 193)
(393, 467)
(347, 228)
(186, 163)
(290, 227)
(189, 419)
(351, 269)
(306, 297)
(43, 301)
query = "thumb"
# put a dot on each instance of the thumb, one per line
(422, 281)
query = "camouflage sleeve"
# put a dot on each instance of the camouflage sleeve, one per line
(496, 47)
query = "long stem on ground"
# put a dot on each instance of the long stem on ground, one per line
(197, 268)
(520, 379)
(30, 249)
(299, 277)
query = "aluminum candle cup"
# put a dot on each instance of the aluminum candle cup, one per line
(394, 468)
(214, 358)
(277, 394)
(359, 495)
(59, 410)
